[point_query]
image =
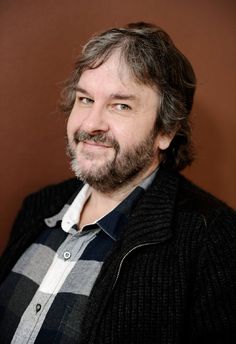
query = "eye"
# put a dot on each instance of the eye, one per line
(85, 100)
(122, 107)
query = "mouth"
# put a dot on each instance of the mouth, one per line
(97, 144)
(98, 141)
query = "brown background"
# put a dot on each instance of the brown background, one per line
(39, 42)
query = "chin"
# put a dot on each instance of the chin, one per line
(83, 167)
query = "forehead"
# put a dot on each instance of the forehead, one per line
(112, 78)
(113, 74)
(113, 67)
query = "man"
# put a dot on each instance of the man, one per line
(130, 252)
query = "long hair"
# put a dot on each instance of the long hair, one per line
(153, 60)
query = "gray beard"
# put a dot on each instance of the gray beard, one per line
(120, 171)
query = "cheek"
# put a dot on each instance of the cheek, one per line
(72, 124)
(69, 127)
(133, 134)
(125, 138)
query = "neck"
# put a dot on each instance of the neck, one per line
(101, 203)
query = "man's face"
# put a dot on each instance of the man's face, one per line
(111, 136)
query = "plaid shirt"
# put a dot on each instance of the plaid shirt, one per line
(58, 271)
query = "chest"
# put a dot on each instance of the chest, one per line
(143, 296)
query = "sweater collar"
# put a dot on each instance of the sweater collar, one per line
(152, 218)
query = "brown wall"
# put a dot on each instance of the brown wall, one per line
(39, 41)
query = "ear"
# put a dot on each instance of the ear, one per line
(163, 141)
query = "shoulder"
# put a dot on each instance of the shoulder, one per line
(63, 187)
(42, 204)
(50, 198)
(193, 199)
(208, 222)
(186, 197)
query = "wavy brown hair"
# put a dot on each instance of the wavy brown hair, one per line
(153, 60)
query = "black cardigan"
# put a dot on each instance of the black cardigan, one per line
(170, 279)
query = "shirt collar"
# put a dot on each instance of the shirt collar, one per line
(72, 215)
(115, 220)
(112, 222)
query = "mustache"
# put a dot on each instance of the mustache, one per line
(81, 136)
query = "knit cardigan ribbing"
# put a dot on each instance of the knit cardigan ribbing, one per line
(170, 279)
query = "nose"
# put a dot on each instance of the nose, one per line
(95, 120)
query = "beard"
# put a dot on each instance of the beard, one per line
(117, 172)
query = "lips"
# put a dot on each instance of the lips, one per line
(96, 144)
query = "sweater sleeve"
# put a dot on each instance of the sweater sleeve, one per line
(213, 318)
(16, 243)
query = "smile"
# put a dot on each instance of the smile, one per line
(93, 144)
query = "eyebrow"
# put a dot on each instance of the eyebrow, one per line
(120, 96)
(117, 96)
(80, 89)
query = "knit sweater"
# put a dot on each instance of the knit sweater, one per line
(170, 279)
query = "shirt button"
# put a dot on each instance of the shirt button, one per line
(38, 307)
(67, 255)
